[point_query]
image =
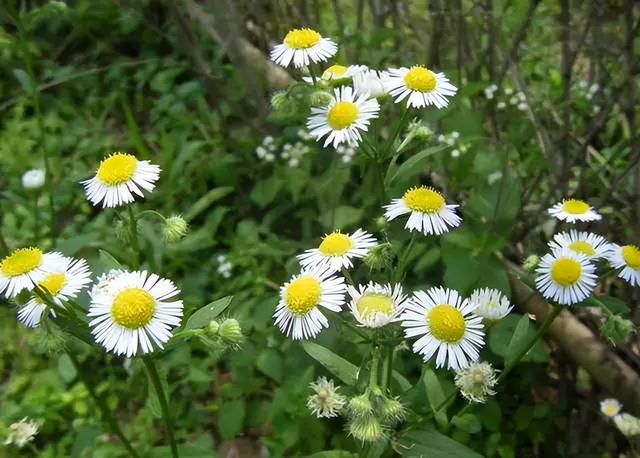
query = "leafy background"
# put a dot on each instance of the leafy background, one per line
(150, 77)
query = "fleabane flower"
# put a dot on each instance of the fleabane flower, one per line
(447, 326)
(26, 267)
(119, 178)
(370, 82)
(420, 86)
(376, 305)
(626, 257)
(593, 246)
(610, 407)
(338, 72)
(303, 46)
(572, 210)
(565, 276)
(476, 382)
(492, 304)
(298, 312)
(337, 250)
(430, 214)
(343, 119)
(134, 312)
(63, 283)
(627, 424)
(326, 402)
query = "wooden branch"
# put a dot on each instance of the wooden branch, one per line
(583, 347)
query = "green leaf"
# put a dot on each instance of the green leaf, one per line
(502, 332)
(341, 217)
(518, 341)
(24, 79)
(205, 201)
(435, 395)
(411, 166)
(614, 304)
(400, 379)
(66, 369)
(265, 191)
(231, 418)
(152, 397)
(333, 454)
(335, 364)
(432, 444)
(108, 260)
(467, 422)
(204, 315)
(270, 363)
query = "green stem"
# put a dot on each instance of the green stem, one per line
(312, 72)
(394, 135)
(164, 406)
(380, 189)
(106, 413)
(4, 249)
(36, 217)
(133, 228)
(373, 375)
(387, 367)
(402, 262)
(347, 276)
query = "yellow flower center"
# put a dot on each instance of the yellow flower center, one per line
(302, 38)
(53, 283)
(424, 199)
(631, 255)
(342, 114)
(133, 308)
(610, 410)
(582, 246)
(335, 244)
(446, 323)
(372, 303)
(420, 79)
(302, 295)
(117, 168)
(575, 206)
(566, 271)
(21, 261)
(336, 70)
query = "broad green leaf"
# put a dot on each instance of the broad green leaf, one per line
(432, 444)
(205, 201)
(467, 422)
(152, 395)
(204, 315)
(333, 454)
(231, 418)
(401, 381)
(411, 166)
(108, 260)
(66, 369)
(518, 341)
(501, 333)
(436, 396)
(270, 363)
(614, 304)
(265, 191)
(24, 79)
(341, 217)
(84, 439)
(335, 364)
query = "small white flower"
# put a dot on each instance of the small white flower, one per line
(627, 424)
(583, 84)
(508, 91)
(118, 178)
(370, 83)
(336, 250)
(595, 87)
(572, 210)
(33, 179)
(298, 312)
(522, 106)
(455, 153)
(376, 305)
(626, 257)
(610, 407)
(26, 267)
(303, 46)
(21, 433)
(430, 214)
(501, 105)
(476, 382)
(565, 276)
(447, 327)
(593, 246)
(492, 304)
(326, 402)
(420, 86)
(455, 134)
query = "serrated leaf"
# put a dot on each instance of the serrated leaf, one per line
(204, 315)
(335, 364)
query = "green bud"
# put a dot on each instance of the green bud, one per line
(392, 411)
(366, 429)
(360, 406)
(213, 327)
(381, 223)
(379, 257)
(281, 103)
(230, 331)
(531, 262)
(419, 131)
(319, 99)
(175, 228)
(616, 329)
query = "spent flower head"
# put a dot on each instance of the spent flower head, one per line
(476, 382)
(326, 402)
(21, 432)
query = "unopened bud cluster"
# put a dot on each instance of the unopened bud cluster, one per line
(373, 413)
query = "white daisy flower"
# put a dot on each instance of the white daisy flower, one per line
(303, 46)
(26, 267)
(430, 214)
(370, 82)
(492, 304)
(572, 210)
(118, 178)
(63, 284)
(565, 276)
(627, 424)
(376, 305)
(446, 324)
(593, 246)
(337, 249)
(343, 119)
(420, 86)
(326, 402)
(133, 312)
(610, 407)
(626, 257)
(338, 72)
(298, 314)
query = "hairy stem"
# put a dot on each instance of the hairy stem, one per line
(152, 371)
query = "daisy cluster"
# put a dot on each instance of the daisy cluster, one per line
(567, 275)
(292, 153)
(507, 98)
(453, 140)
(626, 423)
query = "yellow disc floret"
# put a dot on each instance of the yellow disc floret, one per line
(302, 38)
(342, 114)
(335, 70)
(372, 303)
(53, 282)
(133, 308)
(582, 246)
(631, 255)
(575, 206)
(117, 168)
(424, 199)
(302, 295)
(420, 79)
(21, 261)
(446, 323)
(566, 271)
(335, 244)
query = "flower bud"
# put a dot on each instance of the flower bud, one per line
(392, 411)
(366, 429)
(281, 103)
(230, 331)
(360, 406)
(616, 329)
(531, 263)
(175, 228)
(379, 257)
(213, 327)
(319, 98)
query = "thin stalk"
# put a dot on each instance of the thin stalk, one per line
(380, 189)
(133, 228)
(387, 367)
(373, 375)
(4, 249)
(104, 410)
(164, 406)
(312, 72)
(347, 276)
(36, 217)
(394, 135)
(402, 262)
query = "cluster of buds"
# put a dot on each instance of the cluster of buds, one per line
(372, 414)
